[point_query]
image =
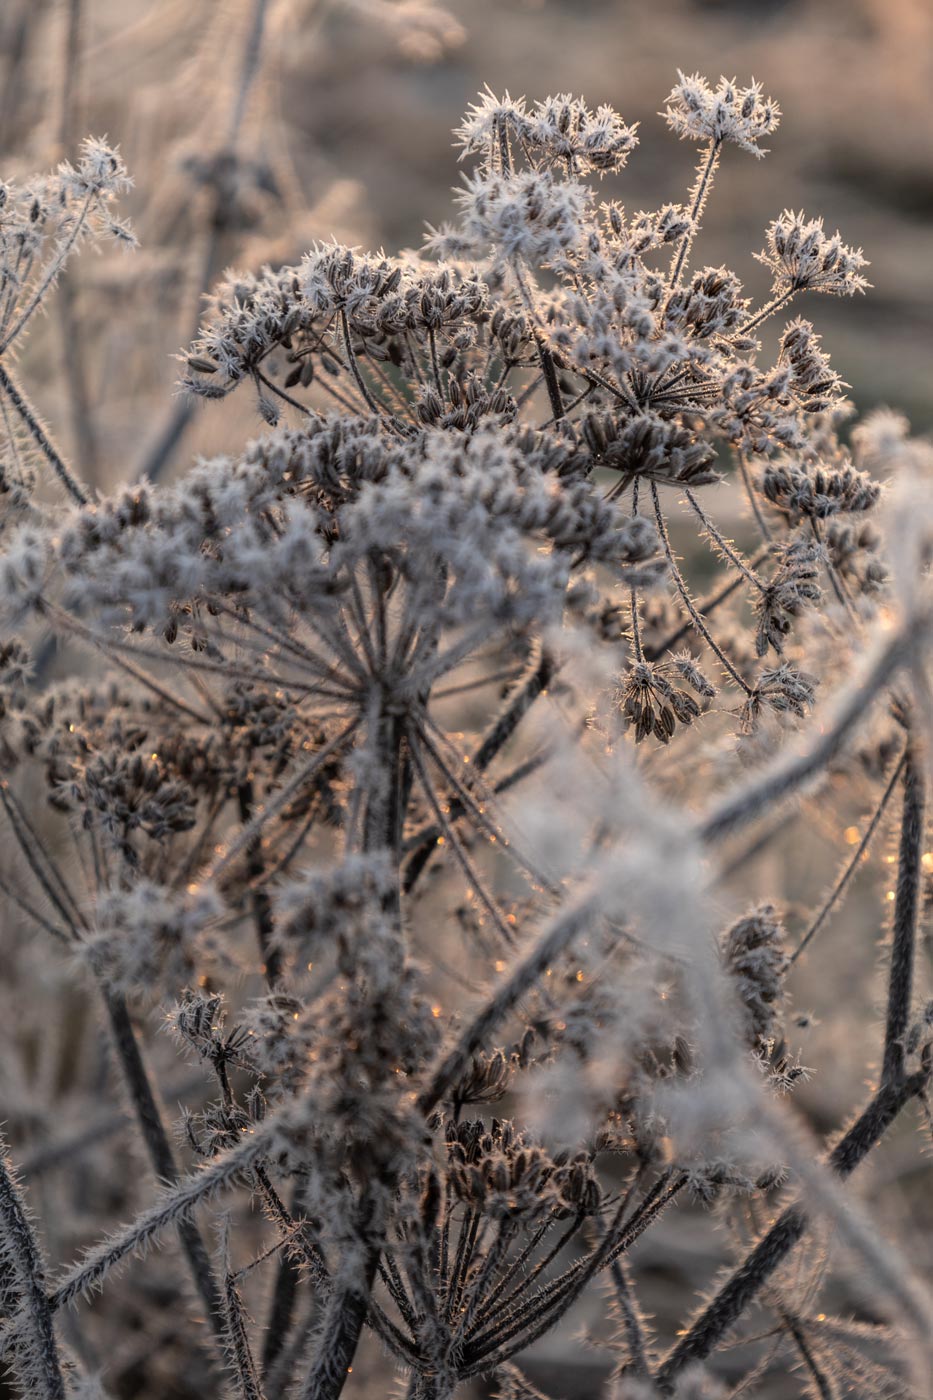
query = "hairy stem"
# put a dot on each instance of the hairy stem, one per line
(262, 907)
(852, 864)
(556, 938)
(689, 604)
(790, 773)
(906, 904)
(149, 1117)
(699, 195)
(22, 1287)
(772, 1249)
(41, 438)
(349, 1302)
(895, 1090)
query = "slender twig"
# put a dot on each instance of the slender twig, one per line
(632, 1322)
(460, 855)
(236, 1328)
(770, 309)
(728, 549)
(41, 438)
(691, 607)
(282, 1305)
(752, 496)
(699, 195)
(731, 1301)
(420, 847)
(824, 1387)
(53, 268)
(852, 864)
(705, 606)
(273, 806)
(474, 806)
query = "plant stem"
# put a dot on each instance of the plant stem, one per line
(766, 311)
(550, 379)
(789, 774)
(700, 193)
(41, 438)
(773, 1248)
(350, 1299)
(632, 1321)
(728, 549)
(495, 739)
(262, 908)
(23, 1280)
(705, 606)
(906, 905)
(55, 265)
(895, 1090)
(689, 604)
(349, 1302)
(159, 1148)
(851, 865)
(557, 936)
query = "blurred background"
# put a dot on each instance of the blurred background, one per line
(253, 127)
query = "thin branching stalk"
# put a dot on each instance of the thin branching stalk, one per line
(688, 602)
(22, 1287)
(236, 1329)
(852, 864)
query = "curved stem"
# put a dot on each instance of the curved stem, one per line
(705, 606)
(906, 910)
(55, 265)
(766, 311)
(682, 589)
(895, 1090)
(763, 526)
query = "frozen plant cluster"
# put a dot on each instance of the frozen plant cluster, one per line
(400, 772)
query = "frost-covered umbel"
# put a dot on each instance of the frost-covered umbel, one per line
(396, 788)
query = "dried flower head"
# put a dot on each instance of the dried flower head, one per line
(698, 112)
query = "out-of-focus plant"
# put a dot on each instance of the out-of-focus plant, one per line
(433, 633)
